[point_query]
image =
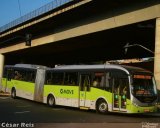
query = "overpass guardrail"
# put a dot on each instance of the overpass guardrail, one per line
(44, 9)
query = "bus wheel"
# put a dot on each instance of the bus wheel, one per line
(50, 101)
(13, 93)
(102, 106)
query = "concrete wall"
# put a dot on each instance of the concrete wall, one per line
(157, 53)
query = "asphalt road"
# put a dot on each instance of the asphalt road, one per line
(33, 114)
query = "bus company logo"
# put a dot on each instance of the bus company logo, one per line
(149, 125)
(63, 91)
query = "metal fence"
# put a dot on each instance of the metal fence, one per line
(46, 8)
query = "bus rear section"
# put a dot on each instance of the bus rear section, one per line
(23, 80)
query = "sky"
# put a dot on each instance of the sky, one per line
(9, 9)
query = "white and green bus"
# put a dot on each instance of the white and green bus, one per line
(105, 88)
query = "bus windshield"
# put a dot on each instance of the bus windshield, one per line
(143, 88)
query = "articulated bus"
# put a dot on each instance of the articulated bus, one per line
(104, 88)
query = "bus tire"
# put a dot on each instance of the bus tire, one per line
(102, 106)
(50, 101)
(13, 93)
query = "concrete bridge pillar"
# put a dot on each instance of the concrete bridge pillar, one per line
(1, 69)
(157, 54)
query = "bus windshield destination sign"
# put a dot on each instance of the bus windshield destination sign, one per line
(142, 77)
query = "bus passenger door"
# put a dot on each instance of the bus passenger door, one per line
(119, 94)
(84, 88)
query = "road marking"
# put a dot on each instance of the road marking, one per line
(58, 109)
(3, 98)
(24, 106)
(22, 112)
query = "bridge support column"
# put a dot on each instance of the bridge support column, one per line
(157, 54)
(1, 69)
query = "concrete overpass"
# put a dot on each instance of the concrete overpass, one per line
(86, 31)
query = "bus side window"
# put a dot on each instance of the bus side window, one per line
(57, 78)
(10, 73)
(71, 78)
(23, 75)
(33, 76)
(17, 75)
(108, 82)
(29, 76)
(48, 79)
(98, 79)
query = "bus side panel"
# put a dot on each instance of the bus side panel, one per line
(9, 86)
(64, 95)
(23, 89)
(94, 94)
(4, 85)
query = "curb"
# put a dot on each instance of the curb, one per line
(4, 94)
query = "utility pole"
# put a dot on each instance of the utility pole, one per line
(20, 12)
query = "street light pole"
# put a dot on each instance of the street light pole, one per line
(135, 45)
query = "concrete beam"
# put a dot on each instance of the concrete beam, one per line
(130, 17)
(34, 43)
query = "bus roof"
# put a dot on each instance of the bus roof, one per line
(127, 69)
(31, 66)
(74, 67)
